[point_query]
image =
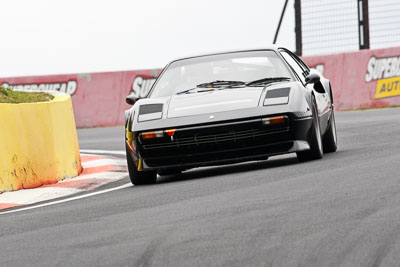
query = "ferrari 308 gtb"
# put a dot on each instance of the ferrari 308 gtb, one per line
(226, 108)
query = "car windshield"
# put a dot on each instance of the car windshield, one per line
(229, 70)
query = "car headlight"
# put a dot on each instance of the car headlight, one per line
(277, 97)
(150, 112)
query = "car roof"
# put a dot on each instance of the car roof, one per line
(269, 47)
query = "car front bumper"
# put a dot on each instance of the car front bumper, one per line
(222, 143)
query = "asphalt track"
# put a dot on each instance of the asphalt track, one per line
(343, 210)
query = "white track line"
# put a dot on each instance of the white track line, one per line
(69, 199)
(102, 162)
(101, 175)
(116, 152)
(34, 195)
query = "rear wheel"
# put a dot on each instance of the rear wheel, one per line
(139, 177)
(330, 138)
(315, 139)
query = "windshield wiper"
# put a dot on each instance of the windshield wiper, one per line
(219, 84)
(186, 91)
(213, 85)
(197, 91)
(267, 80)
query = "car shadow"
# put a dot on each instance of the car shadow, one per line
(207, 172)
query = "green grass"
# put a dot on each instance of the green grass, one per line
(16, 97)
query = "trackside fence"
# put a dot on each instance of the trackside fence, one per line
(361, 79)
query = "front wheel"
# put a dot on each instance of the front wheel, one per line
(139, 177)
(330, 138)
(315, 139)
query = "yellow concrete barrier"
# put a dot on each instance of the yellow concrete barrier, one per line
(38, 143)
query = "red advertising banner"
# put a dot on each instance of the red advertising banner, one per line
(98, 98)
(362, 79)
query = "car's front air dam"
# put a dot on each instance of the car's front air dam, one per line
(226, 157)
(293, 139)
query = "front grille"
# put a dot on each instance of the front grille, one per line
(197, 140)
(218, 142)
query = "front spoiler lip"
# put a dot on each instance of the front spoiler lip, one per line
(298, 145)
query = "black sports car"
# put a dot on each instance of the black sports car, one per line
(226, 108)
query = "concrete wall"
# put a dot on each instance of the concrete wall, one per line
(38, 143)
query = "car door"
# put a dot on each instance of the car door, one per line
(325, 100)
(301, 70)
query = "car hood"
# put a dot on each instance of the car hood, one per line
(213, 101)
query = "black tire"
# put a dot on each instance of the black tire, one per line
(315, 139)
(330, 138)
(139, 177)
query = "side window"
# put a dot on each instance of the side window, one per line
(302, 64)
(295, 65)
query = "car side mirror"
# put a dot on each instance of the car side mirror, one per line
(316, 80)
(312, 78)
(131, 100)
